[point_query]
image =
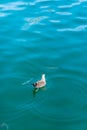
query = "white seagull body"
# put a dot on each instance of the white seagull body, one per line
(41, 83)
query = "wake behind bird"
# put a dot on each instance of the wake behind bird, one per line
(27, 82)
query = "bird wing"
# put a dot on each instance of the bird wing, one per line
(40, 83)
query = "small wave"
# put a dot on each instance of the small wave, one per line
(76, 29)
(12, 6)
(83, 18)
(55, 21)
(4, 14)
(49, 10)
(32, 21)
(64, 13)
(69, 6)
(72, 5)
(38, 1)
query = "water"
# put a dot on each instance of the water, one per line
(36, 37)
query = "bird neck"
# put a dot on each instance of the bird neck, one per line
(43, 78)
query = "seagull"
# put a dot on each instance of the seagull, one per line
(41, 83)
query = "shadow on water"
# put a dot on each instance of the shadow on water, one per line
(36, 90)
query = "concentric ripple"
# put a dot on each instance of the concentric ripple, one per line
(67, 104)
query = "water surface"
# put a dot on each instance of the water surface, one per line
(36, 37)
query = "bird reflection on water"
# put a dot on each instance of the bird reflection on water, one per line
(36, 90)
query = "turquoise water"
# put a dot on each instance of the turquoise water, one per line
(36, 37)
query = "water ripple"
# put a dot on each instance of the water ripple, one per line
(76, 29)
(4, 14)
(38, 1)
(55, 21)
(12, 6)
(72, 4)
(64, 13)
(83, 18)
(32, 21)
(65, 107)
